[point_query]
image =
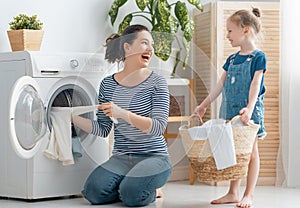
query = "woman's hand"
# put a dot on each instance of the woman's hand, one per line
(112, 110)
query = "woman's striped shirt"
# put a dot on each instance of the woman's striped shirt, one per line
(150, 98)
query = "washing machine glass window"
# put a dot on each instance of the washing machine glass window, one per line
(27, 123)
(29, 118)
(70, 95)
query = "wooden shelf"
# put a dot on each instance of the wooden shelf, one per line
(173, 119)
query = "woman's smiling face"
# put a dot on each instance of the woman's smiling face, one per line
(141, 49)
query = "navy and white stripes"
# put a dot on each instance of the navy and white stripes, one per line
(149, 98)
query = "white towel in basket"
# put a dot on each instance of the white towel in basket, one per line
(221, 142)
(220, 138)
(198, 132)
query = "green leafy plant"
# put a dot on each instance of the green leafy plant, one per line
(165, 19)
(22, 21)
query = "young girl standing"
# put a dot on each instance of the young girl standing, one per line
(242, 87)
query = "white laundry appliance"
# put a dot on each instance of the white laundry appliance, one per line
(31, 83)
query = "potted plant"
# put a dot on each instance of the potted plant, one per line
(25, 33)
(165, 25)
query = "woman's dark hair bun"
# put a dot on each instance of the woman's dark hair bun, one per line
(256, 12)
(112, 37)
(113, 48)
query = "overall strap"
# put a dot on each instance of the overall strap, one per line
(253, 54)
(233, 57)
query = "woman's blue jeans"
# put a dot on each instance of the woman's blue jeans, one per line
(131, 178)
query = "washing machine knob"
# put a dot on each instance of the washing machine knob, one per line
(74, 63)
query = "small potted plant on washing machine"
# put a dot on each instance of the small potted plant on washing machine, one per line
(25, 33)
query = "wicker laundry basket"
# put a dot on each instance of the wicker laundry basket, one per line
(203, 163)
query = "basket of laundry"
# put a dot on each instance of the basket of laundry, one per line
(219, 150)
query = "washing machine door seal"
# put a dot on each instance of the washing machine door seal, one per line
(27, 123)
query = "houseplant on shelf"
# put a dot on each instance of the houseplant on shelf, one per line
(25, 33)
(165, 20)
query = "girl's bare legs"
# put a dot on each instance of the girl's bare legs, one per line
(233, 194)
(253, 171)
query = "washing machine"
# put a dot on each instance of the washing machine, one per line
(31, 84)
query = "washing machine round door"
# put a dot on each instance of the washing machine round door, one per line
(27, 123)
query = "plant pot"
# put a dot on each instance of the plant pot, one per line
(164, 68)
(22, 40)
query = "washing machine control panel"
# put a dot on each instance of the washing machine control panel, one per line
(68, 64)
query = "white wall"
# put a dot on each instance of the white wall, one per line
(290, 96)
(69, 25)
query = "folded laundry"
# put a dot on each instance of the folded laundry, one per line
(60, 143)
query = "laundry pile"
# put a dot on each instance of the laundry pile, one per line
(62, 146)
(221, 143)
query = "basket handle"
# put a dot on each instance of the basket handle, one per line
(235, 118)
(192, 117)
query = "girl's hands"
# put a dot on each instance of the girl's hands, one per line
(245, 114)
(199, 112)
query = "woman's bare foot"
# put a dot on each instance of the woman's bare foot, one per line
(246, 202)
(228, 198)
(159, 193)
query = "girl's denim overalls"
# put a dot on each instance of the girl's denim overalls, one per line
(236, 91)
